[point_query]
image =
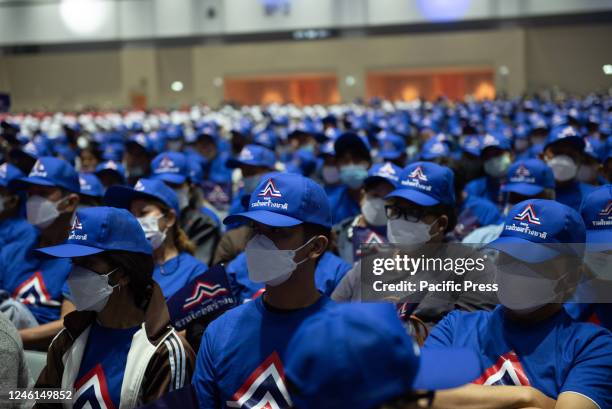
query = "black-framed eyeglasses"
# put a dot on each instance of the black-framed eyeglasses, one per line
(412, 214)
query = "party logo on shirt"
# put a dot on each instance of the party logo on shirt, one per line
(506, 371)
(91, 391)
(265, 388)
(203, 291)
(528, 214)
(33, 291)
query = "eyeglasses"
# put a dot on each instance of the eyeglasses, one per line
(412, 214)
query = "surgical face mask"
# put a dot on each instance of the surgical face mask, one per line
(250, 183)
(498, 166)
(89, 290)
(353, 175)
(150, 226)
(267, 264)
(587, 173)
(308, 147)
(521, 145)
(564, 168)
(600, 264)
(373, 210)
(522, 289)
(402, 231)
(330, 174)
(183, 196)
(41, 212)
(135, 171)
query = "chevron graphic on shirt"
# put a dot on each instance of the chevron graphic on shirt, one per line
(506, 371)
(91, 391)
(33, 291)
(264, 389)
(417, 173)
(528, 214)
(202, 291)
(607, 211)
(270, 190)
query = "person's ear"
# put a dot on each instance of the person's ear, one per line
(11, 202)
(170, 219)
(318, 247)
(441, 225)
(69, 204)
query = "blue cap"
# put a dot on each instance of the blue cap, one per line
(391, 146)
(426, 184)
(594, 148)
(113, 151)
(50, 171)
(495, 140)
(352, 142)
(8, 173)
(112, 167)
(141, 140)
(359, 356)
(566, 133)
(472, 144)
(35, 150)
(174, 132)
(529, 177)
(385, 171)
(266, 138)
(327, 149)
(434, 149)
(91, 185)
(538, 223)
(285, 200)
(253, 155)
(596, 211)
(147, 189)
(98, 229)
(170, 167)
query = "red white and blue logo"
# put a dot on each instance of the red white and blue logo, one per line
(387, 171)
(264, 389)
(522, 171)
(245, 154)
(506, 371)
(270, 190)
(418, 173)
(166, 165)
(203, 291)
(76, 223)
(91, 391)
(528, 214)
(33, 291)
(38, 170)
(607, 211)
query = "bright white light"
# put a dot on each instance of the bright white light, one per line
(83, 16)
(504, 70)
(350, 80)
(176, 86)
(218, 81)
(607, 69)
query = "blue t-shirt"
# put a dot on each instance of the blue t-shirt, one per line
(554, 356)
(599, 314)
(329, 272)
(240, 361)
(573, 194)
(98, 383)
(17, 240)
(175, 273)
(487, 188)
(342, 204)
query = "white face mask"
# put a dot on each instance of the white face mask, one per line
(330, 174)
(600, 264)
(521, 144)
(267, 264)
(497, 166)
(523, 290)
(373, 210)
(587, 173)
(41, 212)
(150, 225)
(183, 196)
(400, 231)
(564, 168)
(90, 291)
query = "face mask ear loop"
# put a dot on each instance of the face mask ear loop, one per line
(111, 272)
(301, 247)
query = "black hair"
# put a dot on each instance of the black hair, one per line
(139, 268)
(444, 209)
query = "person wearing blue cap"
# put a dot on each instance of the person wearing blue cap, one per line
(92, 190)
(117, 349)
(596, 212)
(496, 158)
(353, 159)
(156, 207)
(526, 179)
(89, 158)
(359, 356)
(241, 349)
(589, 171)
(139, 151)
(370, 226)
(328, 171)
(52, 189)
(392, 148)
(110, 173)
(563, 153)
(529, 343)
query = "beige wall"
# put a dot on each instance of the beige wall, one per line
(535, 57)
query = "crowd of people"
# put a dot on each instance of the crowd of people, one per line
(107, 217)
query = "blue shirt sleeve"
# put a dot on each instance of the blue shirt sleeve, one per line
(443, 333)
(204, 378)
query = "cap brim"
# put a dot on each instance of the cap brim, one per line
(24, 182)
(577, 141)
(526, 189)
(414, 196)
(122, 196)
(171, 178)
(598, 240)
(69, 250)
(264, 217)
(523, 249)
(446, 368)
(390, 154)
